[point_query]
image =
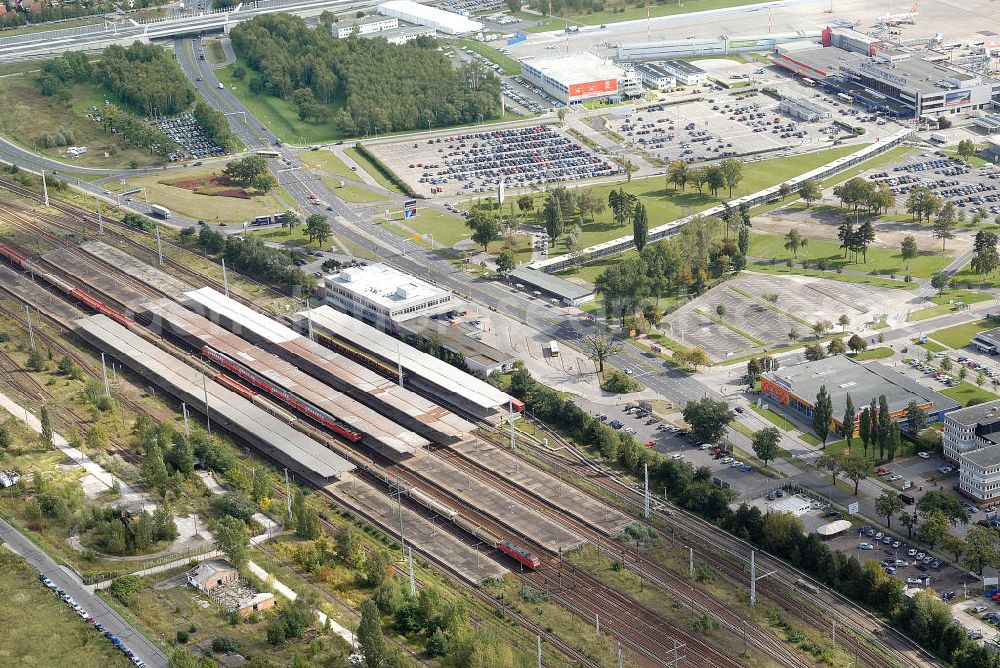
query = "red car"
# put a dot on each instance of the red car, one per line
(650, 444)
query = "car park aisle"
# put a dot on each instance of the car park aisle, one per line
(95, 607)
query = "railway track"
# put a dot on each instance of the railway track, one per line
(861, 633)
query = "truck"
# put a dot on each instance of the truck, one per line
(161, 211)
(939, 138)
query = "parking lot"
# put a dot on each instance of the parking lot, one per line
(194, 143)
(475, 162)
(951, 179)
(718, 126)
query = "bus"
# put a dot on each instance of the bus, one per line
(553, 349)
(269, 153)
(806, 81)
(846, 98)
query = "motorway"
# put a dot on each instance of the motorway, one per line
(140, 645)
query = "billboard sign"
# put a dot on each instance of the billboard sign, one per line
(409, 209)
(853, 508)
(501, 191)
(957, 97)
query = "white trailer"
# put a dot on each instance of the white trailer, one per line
(939, 138)
(161, 211)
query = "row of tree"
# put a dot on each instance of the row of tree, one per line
(135, 131)
(382, 87)
(725, 174)
(214, 124)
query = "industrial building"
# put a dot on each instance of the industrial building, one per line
(210, 574)
(991, 151)
(971, 439)
(227, 410)
(888, 79)
(440, 20)
(552, 287)
(802, 109)
(685, 72)
(364, 26)
(283, 382)
(340, 372)
(404, 34)
(418, 370)
(573, 78)
(655, 77)
(383, 296)
(723, 45)
(988, 341)
(796, 388)
(457, 340)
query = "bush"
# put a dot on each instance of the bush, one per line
(226, 645)
(183, 636)
(126, 589)
(618, 382)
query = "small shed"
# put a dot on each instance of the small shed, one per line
(208, 575)
(833, 529)
(255, 603)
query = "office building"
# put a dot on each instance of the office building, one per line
(383, 296)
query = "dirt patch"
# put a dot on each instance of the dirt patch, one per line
(214, 186)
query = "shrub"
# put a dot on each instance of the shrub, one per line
(126, 589)
(226, 645)
(183, 636)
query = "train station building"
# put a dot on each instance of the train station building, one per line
(383, 296)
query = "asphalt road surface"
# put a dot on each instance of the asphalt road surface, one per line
(95, 607)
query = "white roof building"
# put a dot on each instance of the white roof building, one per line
(382, 295)
(574, 77)
(448, 23)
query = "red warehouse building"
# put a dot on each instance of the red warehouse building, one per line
(573, 78)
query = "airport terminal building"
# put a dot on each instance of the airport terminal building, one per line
(573, 78)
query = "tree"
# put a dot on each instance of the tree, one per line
(486, 227)
(231, 538)
(908, 248)
(714, 178)
(822, 414)
(242, 171)
(506, 262)
(732, 173)
(784, 190)
(694, 357)
(677, 174)
(850, 419)
(599, 348)
(940, 280)
(623, 285)
(954, 546)
(377, 567)
(856, 343)
(810, 191)
(908, 520)
(765, 444)
(843, 321)
(887, 505)
(288, 219)
(966, 148)
(856, 470)
(814, 352)
(640, 227)
(949, 506)
(836, 347)
(933, 529)
(985, 259)
(793, 334)
(317, 228)
(831, 464)
(553, 214)
(708, 418)
(916, 418)
(720, 310)
(794, 241)
(981, 547)
(944, 224)
(46, 421)
(370, 637)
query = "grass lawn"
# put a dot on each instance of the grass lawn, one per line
(27, 115)
(447, 229)
(966, 276)
(280, 116)
(832, 275)
(354, 192)
(943, 303)
(509, 65)
(665, 204)
(774, 418)
(932, 346)
(328, 162)
(290, 238)
(883, 261)
(41, 630)
(229, 210)
(960, 335)
(964, 392)
(372, 169)
(215, 53)
(874, 354)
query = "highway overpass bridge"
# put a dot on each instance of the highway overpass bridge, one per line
(49, 43)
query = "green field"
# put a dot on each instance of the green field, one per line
(447, 229)
(41, 630)
(372, 170)
(959, 336)
(279, 116)
(882, 261)
(776, 419)
(228, 210)
(26, 115)
(932, 346)
(967, 276)
(328, 162)
(611, 13)
(943, 307)
(874, 354)
(864, 279)
(964, 392)
(664, 204)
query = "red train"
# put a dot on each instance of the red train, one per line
(520, 554)
(238, 388)
(96, 305)
(283, 395)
